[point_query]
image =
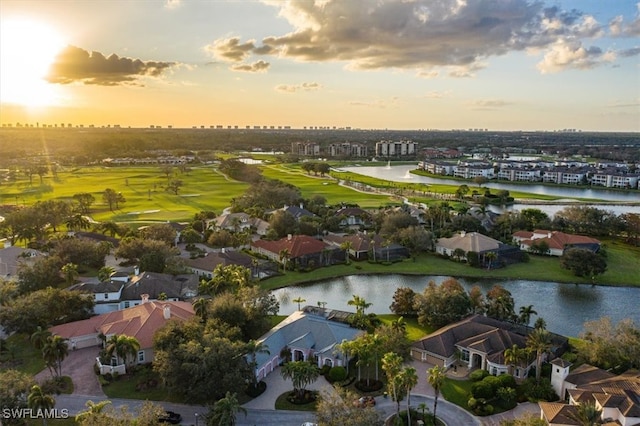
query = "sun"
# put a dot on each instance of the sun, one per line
(27, 50)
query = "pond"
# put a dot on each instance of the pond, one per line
(565, 307)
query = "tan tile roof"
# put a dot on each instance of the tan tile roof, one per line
(297, 245)
(556, 412)
(140, 321)
(470, 241)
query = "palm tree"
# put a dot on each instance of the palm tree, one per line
(254, 347)
(399, 324)
(491, 256)
(410, 379)
(70, 273)
(436, 380)
(360, 303)
(39, 337)
(78, 221)
(200, 308)
(539, 341)
(458, 254)
(284, 256)
(299, 300)
(105, 272)
(515, 355)
(346, 246)
(423, 407)
(122, 346)
(38, 400)
(94, 409)
(54, 352)
(525, 314)
(586, 414)
(225, 410)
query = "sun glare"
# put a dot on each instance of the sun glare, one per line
(27, 50)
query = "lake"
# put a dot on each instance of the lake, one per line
(565, 307)
(402, 174)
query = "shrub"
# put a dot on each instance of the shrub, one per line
(538, 392)
(493, 381)
(506, 381)
(325, 370)
(337, 374)
(482, 389)
(103, 381)
(478, 375)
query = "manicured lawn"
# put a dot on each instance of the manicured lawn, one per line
(125, 387)
(24, 356)
(457, 391)
(414, 330)
(283, 404)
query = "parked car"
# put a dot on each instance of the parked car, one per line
(170, 417)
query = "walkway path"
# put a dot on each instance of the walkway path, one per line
(79, 366)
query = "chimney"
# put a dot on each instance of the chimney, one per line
(145, 298)
(136, 270)
(166, 311)
(463, 233)
(549, 235)
(301, 206)
(289, 236)
(222, 250)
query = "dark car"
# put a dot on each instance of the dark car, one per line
(170, 417)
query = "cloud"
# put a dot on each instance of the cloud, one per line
(618, 28)
(259, 66)
(172, 4)
(74, 64)
(379, 103)
(488, 104)
(572, 55)
(438, 94)
(292, 88)
(419, 34)
(230, 49)
(627, 53)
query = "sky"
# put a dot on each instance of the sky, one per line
(368, 64)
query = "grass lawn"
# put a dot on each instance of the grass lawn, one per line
(457, 391)
(125, 387)
(414, 330)
(23, 356)
(283, 404)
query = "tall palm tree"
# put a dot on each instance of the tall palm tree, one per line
(515, 355)
(360, 303)
(253, 347)
(399, 324)
(54, 352)
(410, 379)
(38, 400)
(105, 272)
(525, 314)
(70, 273)
(346, 246)
(539, 341)
(284, 255)
(491, 256)
(436, 380)
(122, 346)
(200, 308)
(299, 300)
(225, 411)
(39, 337)
(78, 221)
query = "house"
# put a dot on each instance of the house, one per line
(12, 257)
(353, 217)
(478, 243)
(618, 396)
(203, 267)
(307, 335)
(237, 222)
(479, 342)
(158, 286)
(298, 212)
(106, 295)
(301, 250)
(557, 241)
(141, 321)
(361, 244)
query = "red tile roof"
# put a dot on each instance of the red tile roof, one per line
(297, 245)
(140, 321)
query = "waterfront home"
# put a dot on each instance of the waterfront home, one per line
(301, 251)
(556, 241)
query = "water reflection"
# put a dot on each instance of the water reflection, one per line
(564, 307)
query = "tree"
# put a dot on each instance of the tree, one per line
(392, 366)
(515, 355)
(299, 300)
(85, 201)
(586, 414)
(301, 374)
(403, 302)
(77, 221)
(122, 346)
(174, 185)
(611, 346)
(70, 273)
(39, 337)
(40, 401)
(105, 273)
(480, 180)
(284, 255)
(225, 411)
(254, 348)
(442, 304)
(490, 257)
(436, 380)
(476, 298)
(462, 191)
(54, 352)
(346, 246)
(458, 254)
(112, 198)
(500, 304)
(410, 380)
(200, 308)
(525, 314)
(360, 303)
(93, 413)
(282, 223)
(539, 341)
(14, 388)
(583, 262)
(160, 232)
(335, 407)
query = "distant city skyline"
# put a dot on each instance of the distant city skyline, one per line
(385, 64)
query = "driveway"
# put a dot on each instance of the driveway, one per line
(79, 366)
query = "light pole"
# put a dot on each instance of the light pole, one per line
(196, 418)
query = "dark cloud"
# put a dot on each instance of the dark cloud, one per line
(627, 53)
(74, 64)
(259, 66)
(420, 34)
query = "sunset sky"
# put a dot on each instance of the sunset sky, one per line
(397, 64)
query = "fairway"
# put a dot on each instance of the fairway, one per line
(142, 187)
